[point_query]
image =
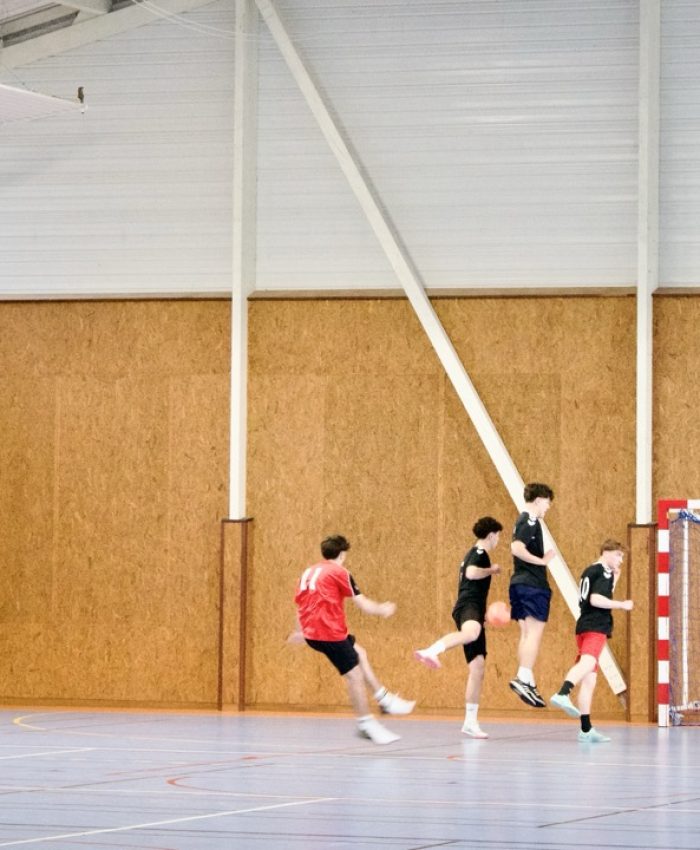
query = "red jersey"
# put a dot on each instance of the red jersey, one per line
(320, 598)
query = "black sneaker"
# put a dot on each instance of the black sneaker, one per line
(539, 701)
(523, 690)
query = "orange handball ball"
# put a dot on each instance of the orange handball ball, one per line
(498, 614)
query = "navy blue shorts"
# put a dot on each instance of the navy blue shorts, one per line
(341, 653)
(471, 611)
(527, 601)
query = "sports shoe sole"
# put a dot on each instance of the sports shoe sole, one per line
(538, 700)
(524, 695)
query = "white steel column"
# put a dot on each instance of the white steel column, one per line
(412, 285)
(647, 240)
(244, 242)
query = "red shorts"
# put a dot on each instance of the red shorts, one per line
(591, 643)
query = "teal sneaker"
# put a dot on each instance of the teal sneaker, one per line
(565, 704)
(592, 737)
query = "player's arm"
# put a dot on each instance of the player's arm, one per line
(597, 600)
(369, 606)
(364, 603)
(519, 550)
(475, 573)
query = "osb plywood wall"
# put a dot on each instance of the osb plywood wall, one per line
(676, 397)
(354, 428)
(114, 468)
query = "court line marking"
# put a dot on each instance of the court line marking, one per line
(601, 810)
(48, 753)
(170, 822)
(352, 753)
(629, 811)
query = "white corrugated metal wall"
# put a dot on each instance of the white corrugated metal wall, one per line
(679, 200)
(501, 136)
(134, 197)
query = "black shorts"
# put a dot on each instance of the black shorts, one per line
(341, 653)
(528, 601)
(471, 611)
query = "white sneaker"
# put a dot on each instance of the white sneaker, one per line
(474, 731)
(564, 703)
(592, 737)
(376, 733)
(427, 658)
(394, 704)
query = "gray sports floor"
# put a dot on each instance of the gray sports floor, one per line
(205, 781)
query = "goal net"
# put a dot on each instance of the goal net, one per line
(679, 617)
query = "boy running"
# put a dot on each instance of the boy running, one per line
(593, 628)
(469, 611)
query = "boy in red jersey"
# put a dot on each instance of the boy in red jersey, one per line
(593, 628)
(320, 599)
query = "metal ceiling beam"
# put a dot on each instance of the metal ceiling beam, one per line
(33, 20)
(93, 29)
(413, 287)
(94, 7)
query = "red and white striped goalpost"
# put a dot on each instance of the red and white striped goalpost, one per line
(662, 601)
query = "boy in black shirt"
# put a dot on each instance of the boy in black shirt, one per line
(593, 628)
(530, 593)
(468, 614)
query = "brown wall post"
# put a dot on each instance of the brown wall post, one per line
(233, 589)
(641, 621)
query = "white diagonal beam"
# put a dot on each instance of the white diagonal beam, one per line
(647, 240)
(244, 242)
(410, 280)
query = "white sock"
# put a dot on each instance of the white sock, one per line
(363, 721)
(470, 718)
(381, 693)
(525, 675)
(436, 648)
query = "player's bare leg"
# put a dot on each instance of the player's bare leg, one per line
(470, 631)
(471, 696)
(531, 631)
(562, 699)
(389, 703)
(588, 734)
(367, 725)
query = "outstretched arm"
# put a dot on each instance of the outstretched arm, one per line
(600, 601)
(369, 606)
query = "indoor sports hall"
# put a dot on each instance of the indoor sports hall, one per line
(308, 291)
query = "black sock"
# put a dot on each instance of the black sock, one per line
(586, 723)
(566, 688)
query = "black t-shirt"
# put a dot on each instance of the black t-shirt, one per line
(473, 591)
(595, 579)
(529, 531)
